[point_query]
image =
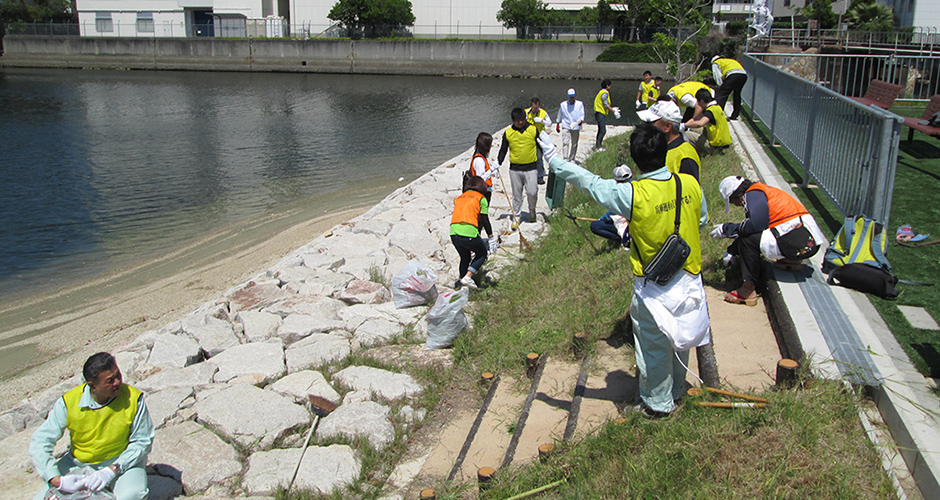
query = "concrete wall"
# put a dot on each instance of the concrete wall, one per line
(554, 60)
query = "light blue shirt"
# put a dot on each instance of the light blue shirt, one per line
(43, 440)
(610, 194)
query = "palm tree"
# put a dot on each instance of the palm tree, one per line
(868, 15)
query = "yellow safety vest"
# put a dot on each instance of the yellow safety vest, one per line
(727, 65)
(687, 88)
(102, 434)
(529, 116)
(650, 92)
(719, 133)
(675, 156)
(599, 101)
(522, 145)
(653, 219)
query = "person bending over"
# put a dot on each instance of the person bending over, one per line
(611, 225)
(776, 225)
(470, 215)
(717, 136)
(110, 431)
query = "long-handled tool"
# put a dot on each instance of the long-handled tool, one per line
(321, 407)
(575, 221)
(752, 401)
(525, 244)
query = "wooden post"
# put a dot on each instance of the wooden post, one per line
(485, 477)
(707, 364)
(486, 378)
(428, 494)
(545, 450)
(579, 342)
(786, 373)
(531, 363)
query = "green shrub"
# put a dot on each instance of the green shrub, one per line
(736, 28)
(640, 52)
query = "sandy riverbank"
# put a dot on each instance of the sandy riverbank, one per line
(46, 338)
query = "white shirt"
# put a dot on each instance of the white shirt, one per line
(570, 116)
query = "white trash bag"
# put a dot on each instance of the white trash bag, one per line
(414, 285)
(446, 319)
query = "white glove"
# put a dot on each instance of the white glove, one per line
(100, 479)
(548, 148)
(616, 112)
(493, 245)
(494, 172)
(717, 232)
(638, 104)
(683, 128)
(71, 484)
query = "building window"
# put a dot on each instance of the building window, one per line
(786, 3)
(103, 22)
(145, 22)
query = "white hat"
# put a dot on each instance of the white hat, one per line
(571, 93)
(666, 110)
(728, 186)
(716, 58)
(622, 173)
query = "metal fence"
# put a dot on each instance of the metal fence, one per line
(849, 150)
(919, 40)
(919, 76)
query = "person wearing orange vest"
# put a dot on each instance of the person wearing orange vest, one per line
(480, 163)
(776, 226)
(470, 215)
(110, 431)
(731, 78)
(667, 319)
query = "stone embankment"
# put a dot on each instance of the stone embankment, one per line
(226, 384)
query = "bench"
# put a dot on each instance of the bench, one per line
(880, 93)
(932, 107)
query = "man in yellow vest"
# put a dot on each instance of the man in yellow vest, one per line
(110, 432)
(603, 106)
(538, 117)
(684, 95)
(668, 319)
(681, 156)
(717, 135)
(776, 225)
(519, 140)
(731, 78)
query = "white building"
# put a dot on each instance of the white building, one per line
(240, 18)
(920, 13)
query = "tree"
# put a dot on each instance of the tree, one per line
(37, 11)
(632, 13)
(523, 15)
(821, 12)
(868, 15)
(372, 18)
(688, 23)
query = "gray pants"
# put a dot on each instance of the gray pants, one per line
(527, 181)
(569, 143)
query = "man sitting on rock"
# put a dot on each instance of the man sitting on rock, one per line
(110, 432)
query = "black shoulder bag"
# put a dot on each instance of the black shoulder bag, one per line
(672, 255)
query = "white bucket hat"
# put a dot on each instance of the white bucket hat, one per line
(728, 186)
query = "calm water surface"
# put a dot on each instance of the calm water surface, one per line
(102, 168)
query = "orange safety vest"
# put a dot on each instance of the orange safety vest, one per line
(467, 209)
(489, 182)
(781, 206)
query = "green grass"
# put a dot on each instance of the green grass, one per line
(807, 444)
(916, 202)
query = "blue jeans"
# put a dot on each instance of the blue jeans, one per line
(601, 128)
(472, 252)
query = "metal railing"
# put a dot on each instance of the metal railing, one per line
(920, 40)
(918, 76)
(849, 150)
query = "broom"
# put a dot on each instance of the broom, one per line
(525, 244)
(321, 407)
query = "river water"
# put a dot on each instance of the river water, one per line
(103, 168)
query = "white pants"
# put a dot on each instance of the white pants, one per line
(524, 181)
(569, 143)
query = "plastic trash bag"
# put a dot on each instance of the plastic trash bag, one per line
(446, 319)
(414, 285)
(54, 494)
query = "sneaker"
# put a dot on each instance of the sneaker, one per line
(542, 181)
(648, 412)
(468, 282)
(600, 149)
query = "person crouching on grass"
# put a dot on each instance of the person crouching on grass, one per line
(470, 215)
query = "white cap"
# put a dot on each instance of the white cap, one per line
(667, 110)
(622, 173)
(729, 185)
(716, 58)
(571, 93)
